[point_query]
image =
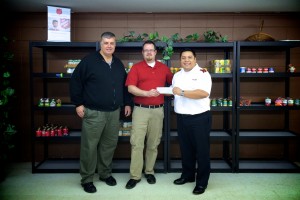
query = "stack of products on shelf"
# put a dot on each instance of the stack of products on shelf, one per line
(51, 130)
(257, 70)
(46, 102)
(221, 66)
(291, 69)
(286, 102)
(127, 69)
(245, 102)
(221, 102)
(175, 69)
(71, 65)
(125, 128)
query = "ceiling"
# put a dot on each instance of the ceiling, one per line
(157, 6)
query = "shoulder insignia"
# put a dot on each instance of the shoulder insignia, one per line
(203, 70)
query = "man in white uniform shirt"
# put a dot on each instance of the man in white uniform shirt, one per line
(191, 89)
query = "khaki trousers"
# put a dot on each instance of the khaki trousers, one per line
(99, 138)
(147, 124)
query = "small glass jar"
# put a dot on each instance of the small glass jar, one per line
(213, 102)
(290, 102)
(284, 102)
(225, 102)
(268, 101)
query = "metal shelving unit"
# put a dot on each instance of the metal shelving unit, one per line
(41, 75)
(256, 136)
(230, 136)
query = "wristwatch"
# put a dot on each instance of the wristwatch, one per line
(182, 93)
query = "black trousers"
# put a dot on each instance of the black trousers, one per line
(193, 133)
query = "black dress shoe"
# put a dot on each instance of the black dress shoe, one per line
(150, 178)
(199, 189)
(132, 183)
(89, 187)
(111, 181)
(182, 181)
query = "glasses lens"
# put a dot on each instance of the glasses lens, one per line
(148, 50)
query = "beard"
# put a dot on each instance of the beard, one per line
(149, 58)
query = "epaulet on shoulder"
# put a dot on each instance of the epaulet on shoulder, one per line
(203, 70)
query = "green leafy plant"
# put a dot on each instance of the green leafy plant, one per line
(212, 36)
(131, 37)
(176, 37)
(209, 36)
(223, 38)
(153, 36)
(192, 38)
(7, 94)
(168, 49)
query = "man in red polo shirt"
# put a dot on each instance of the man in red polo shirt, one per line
(147, 117)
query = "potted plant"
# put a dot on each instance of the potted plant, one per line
(7, 94)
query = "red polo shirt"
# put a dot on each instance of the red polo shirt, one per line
(146, 78)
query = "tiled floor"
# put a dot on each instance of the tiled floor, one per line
(21, 184)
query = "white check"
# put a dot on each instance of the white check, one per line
(165, 90)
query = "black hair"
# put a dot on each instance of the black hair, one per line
(188, 49)
(149, 42)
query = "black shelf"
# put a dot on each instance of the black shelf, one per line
(270, 75)
(266, 136)
(123, 47)
(67, 165)
(214, 135)
(57, 165)
(268, 166)
(231, 138)
(269, 45)
(56, 45)
(52, 75)
(206, 45)
(139, 45)
(73, 136)
(69, 107)
(261, 106)
(222, 108)
(221, 75)
(46, 163)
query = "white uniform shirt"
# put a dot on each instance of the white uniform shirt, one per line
(197, 78)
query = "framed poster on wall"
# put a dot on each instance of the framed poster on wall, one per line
(59, 24)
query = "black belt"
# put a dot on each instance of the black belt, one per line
(149, 106)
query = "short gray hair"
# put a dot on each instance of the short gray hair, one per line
(107, 35)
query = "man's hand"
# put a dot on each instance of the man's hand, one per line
(80, 111)
(127, 111)
(152, 93)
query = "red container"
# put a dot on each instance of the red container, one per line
(47, 133)
(52, 133)
(66, 131)
(38, 133)
(59, 132)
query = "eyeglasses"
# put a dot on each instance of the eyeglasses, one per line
(149, 50)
